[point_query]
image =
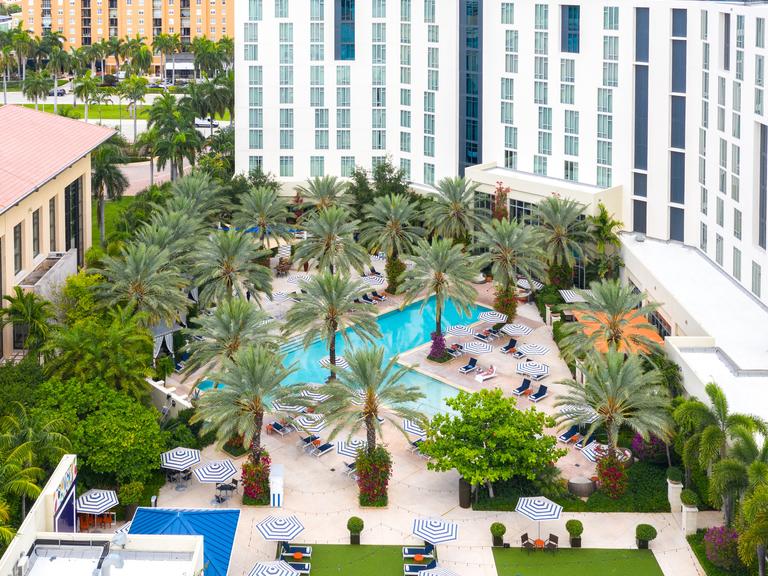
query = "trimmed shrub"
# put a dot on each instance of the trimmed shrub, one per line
(612, 476)
(255, 478)
(689, 497)
(506, 301)
(394, 269)
(498, 530)
(130, 493)
(575, 528)
(645, 532)
(674, 474)
(721, 547)
(373, 474)
(355, 525)
(547, 295)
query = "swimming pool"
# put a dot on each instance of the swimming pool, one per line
(401, 330)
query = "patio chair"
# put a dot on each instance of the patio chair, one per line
(470, 366)
(322, 450)
(381, 297)
(428, 551)
(456, 350)
(483, 337)
(569, 435)
(374, 272)
(301, 567)
(416, 568)
(539, 394)
(306, 441)
(415, 445)
(484, 375)
(290, 550)
(551, 543)
(280, 429)
(517, 354)
(350, 468)
(584, 441)
(526, 543)
(523, 388)
(494, 333)
(509, 346)
(368, 300)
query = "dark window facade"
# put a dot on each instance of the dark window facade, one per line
(520, 211)
(678, 66)
(52, 223)
(569, 29)
(677, 177)
(726, 41)
(677, 224)
(36, 232)
(639, 216)
(662, 326)
(679, 23)
(641, 34)
(471, 45)
(640, 184)
(73, 219)
(344, 30)
(677, 128)
(641, 117)
(17, 248)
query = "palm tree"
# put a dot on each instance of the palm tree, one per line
(174, 46)
(514, 250)
(208, 59)
(452, 211)
(368, 390)
(205, 100)
(145, 144)
(23, 44)
(134, 89)
(17, 478)
(226, 47)
(263, 208)
(225, 83)
(390, 226)
(197, 193)
(86, 88)
(753, 529)
(324, 192)
(444, 269)
(566, 236)
(164, 44)
(36, 86)
(330, 241)
(58, 64)
(618, 392)
(7, 63)
(251, 381)
(30, 315)
(178, 139)
(144, 277)
(227, 265)
(328, 308)
(6, 532)
(116, 47)
(620, 318)
(604, 228)
(107, 180)
(234, 324)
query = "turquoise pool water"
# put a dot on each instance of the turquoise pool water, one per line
(401, 330)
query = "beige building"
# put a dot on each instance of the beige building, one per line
(45, 202)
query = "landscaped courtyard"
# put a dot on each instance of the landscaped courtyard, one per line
(594, 562)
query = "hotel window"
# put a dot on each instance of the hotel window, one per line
(286, 166)
(35, 232)
(347, 165)
(760, 32)
(316, 166)
(736, 263)
(507, 13)
(737, 223)
(542, 16)
(703, 237)
(429, 174)
(611, 18)
(281, 8)
(540, 165)
(571, 170)
(604, 100)
(571, 146)
(17, 247)
(756, 279)
(719, 249)
(571, 122)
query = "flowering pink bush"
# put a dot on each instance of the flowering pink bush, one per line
(373, 474)
(652, 450)
(256, 480)
(438, 346)
(721, 546)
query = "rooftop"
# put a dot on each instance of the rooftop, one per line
(37, 146)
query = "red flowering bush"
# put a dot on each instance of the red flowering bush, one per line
(721, 546)
(373, 474)
(255, 479)
(500, 210)
(506, 301)
(611, 475)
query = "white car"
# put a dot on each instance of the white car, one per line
(206, 123)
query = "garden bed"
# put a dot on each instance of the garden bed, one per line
(697, 544)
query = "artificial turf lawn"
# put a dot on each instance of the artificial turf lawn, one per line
(362, 560)
(569, 561)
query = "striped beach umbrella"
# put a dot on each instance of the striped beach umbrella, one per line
(299, 278)
(281, 407)
(438, 571)
(311, 393)
(525, 285)
(124, 529)
(533, 349)
(179, 459)
(581, 414)
(373, 280)
(351, 448)
(281, 528)
(341, 362)
(538, 508)
(273, 568)
(533, 369)
(516, 329)
(284, 251)
(97, 501)
(413, 428)
(435, 530)
(215, 472)
(460, 330)
(476, 347)
(279, 297)
(312, 423)
(492, 316)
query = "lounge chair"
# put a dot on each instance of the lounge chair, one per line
(552, 543)
(495, 333)
(416, 445)
(470, 366)
(525, 386)
(428, 551)
(509, 346)
(584, 442)
(416, 568)
(517, 354)
(350, 468)
(526, 543)
(456, 350)
(539, 394)
(280, 429)
(306, 441)
(381, 297)
(322, 450)
(484, 375)
(483, 337)
(368, 300)
(301, 567)
(290, 549)
(570, 435)
(374, 272)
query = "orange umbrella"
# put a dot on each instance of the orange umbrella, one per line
(636, 328)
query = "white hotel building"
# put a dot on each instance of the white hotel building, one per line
(655, 108)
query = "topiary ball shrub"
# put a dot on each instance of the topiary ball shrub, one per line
(575, 528)
(689, 498)
(645, 532)
(373, 474)
(255, 478)
(721, 546)
(498, 530)
(355, 525)
(675, 475)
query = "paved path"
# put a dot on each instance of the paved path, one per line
(138, 176)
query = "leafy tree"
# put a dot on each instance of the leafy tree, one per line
(134, 89)
(330, 241)
(36, 86)
(17, 477)
(145, 145)
(486, 439)
(604, 230)
(107, 180)
(30, 315)
(6, 532)
(86, 88)
(386, 179)
(753, 529)
(451, 214)
(264, 209)
(324, 192)
(178, 139)
(19, 382)
(58, 64)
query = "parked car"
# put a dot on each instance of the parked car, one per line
(60, 92)
(206, 123)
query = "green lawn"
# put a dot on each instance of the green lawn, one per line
(331, 560)
(99, 111)
(112, 211)
(571, 562)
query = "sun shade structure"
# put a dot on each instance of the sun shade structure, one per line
(492, 316)
(573, 297)
(97, 501)
(584, 414)
(281, 528)
(299, 278)
(341, 362)
(351, 448)
(311, 393)
(311, 423)
(594, 450)
(215, 472)
(124, 529)
(438, 572)
(516, 329)
(477, 348)
(636, 330)
(413, 428)
(179, 458)
(459, 330)
(534, 369)
(373, 280)
(281, 407)
(525, 285)
(274, 568)
(435, 530)
(538, 508)
(279, 297)
(532, 349)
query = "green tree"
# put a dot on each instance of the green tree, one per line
(604, 230)
(514, 251)
(6, 532)
(145, 145)
(17, 477)
(327, 309)
(77, 298)
(177, 137)
(36, 86)
(134, 89)
(252, 380)
(486, 439)
(23, 45)
(264, 209)
(324, 192)
(117, 48)
(86, 88)
(30, 316)
(107, 180)
(58, 64)
(445, 270)
(330, 241)
(368, 390)
(451, 213)
(753, 529)
(7, 63)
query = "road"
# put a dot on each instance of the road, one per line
(138, 176)
(19, 98)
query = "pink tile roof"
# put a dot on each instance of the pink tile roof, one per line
(36, 146)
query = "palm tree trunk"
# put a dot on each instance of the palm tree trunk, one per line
(86, 110)
(5, 87)
(102, 229)
(151, 170)
(55, 93)
(173, 72)
(728, 509)
(761, 560)
(370, 434)
(332, 354)
(438, 316)
(258, 421)
(135, 135)
(36, 103)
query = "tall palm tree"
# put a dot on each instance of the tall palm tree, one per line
(23, 44)
(226, 47)
(451, 213)
(753, 529)
(514, 251)
(618, 392)
(17, 478)
(566, 236)
(6, 532)
(263, 208)
(390, 226)
(86, 88)
(58, 64)
(234, 324)
(445, 270)
(330, 241)
(227, 265)
(175, 46)
(143, 276)
(366, 391)
(619, 315)
(145, 144)
(327, 309)
(178, 139)
(163, 44)
(107, 180)
(30, 314)
(36, 86)
(134, 89)
(323, 192)
(197, 193)
(225, 86)
(7, 63)
(117, 48)
(205, 99)
(251, 381)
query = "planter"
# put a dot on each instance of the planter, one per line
(690, 520)
(642, 544)
(354, 539)
(673, 494)
(575, 541)
(498, 541)
(581, 487)
(465, 493)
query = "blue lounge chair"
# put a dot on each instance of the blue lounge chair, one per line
(520, 390)
(569, 434)
(368, 300)
(539, 394)
(456, 350)
(280, 429)
(584, 442)
(301, 567)
(290, 550)
(482, 337)
(428, 551)
(305, 442)
(374, 272)
(469, 367)
(509, 346)
(350, 468)
(379, 296)
(322, 450)
(416, 568)
(415, 445)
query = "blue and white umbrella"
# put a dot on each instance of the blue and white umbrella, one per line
(435, 530)
(312, 393)
(538, 508)
(438, 571)
(476, 347)
(281, 528)
(460, 330)
(492, 316)
(97, 501)
(351, 448)
(582, 414)
(525, 285)
(281, 407)
(532, 349)
(299, 278)
(533, 369)
(591, 451)
(341, 362)
(284, 251)
(273, 568)
(373, 280)
(215, 472)
(516, 329)
(124, 529)
(179, 459)
(280, 297)
(312, 423)
(413, 428)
